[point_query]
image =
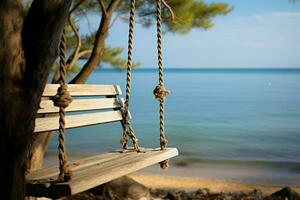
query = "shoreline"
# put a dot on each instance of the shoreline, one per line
(246, 175)
(186, 179)
(190, 184)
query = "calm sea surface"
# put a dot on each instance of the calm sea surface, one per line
(244, 121)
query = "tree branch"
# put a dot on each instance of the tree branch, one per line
(169, 9)
(73, 59)
(114, 20)
(113, 6)
(76, 6)
(84, 53)
(102, 6)
(74, 56)
(99, 44)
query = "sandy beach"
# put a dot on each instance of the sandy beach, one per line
(221, 178)
(216, 178)
(189, 184)
(142, 185)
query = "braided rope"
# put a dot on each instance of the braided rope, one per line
(129, 59)
(124, 140)
(129, 129)
(62, 99)
(132, 136)
(160, 91)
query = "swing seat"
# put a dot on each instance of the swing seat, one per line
(93, 171)
(92, 104)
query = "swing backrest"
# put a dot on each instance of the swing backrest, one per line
(91, 105)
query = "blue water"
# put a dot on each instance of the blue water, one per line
(234, 117)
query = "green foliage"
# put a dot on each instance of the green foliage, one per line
(112, 56)
(87, 41)
(74, 68)
(188, 14)
(87, 7)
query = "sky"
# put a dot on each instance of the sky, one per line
(256, 34)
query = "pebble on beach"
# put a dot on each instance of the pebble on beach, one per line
(127, 189)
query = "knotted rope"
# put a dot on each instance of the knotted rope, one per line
(127, 127)
(160, 91)
(62, 99)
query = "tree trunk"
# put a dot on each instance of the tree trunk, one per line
(14, 139)
(41, 143)
(38, 150)
(12, 172)
(26, 57)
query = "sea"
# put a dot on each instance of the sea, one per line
(241, 125)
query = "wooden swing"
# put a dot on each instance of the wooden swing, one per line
(97, 104)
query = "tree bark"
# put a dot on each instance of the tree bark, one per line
(26, 57)
(38, 149)
(13, 140)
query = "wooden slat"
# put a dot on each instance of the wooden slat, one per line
(46, 106)
(94, 171)
(74, 121)
(84, 90)
(51, 172)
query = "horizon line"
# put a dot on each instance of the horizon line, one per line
(210, 68)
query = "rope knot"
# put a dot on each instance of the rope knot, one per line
(66, 175)
(165, 164)
(62, 97)
(124, 141)
(163, 143)
(160, 92)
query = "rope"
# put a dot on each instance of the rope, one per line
(124, 140)
(126, 122)
(160, 91)
(62, 99)
(129, 59)
(132, 136)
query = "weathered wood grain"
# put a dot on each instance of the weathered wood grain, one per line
(85, 90)
(46, 106)
(94, 171)
(75, 121)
